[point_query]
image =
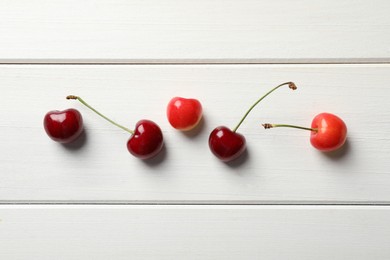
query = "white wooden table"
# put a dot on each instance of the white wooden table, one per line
(282, 200)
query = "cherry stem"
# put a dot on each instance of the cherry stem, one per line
(100, 114)
(290, 84)
(268, 126)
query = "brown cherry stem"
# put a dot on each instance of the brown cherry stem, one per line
(268, 126)
(290, 84)
(100, 114)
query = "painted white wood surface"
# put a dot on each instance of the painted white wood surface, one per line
(280, 166)
(194, 232)
(194, 31)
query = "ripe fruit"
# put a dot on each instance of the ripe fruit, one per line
(63, 126)
(331, 132)
(146, 140)
(328, 131)
(184, 113)
(227, 144)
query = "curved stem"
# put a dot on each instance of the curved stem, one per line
(268, 126)
(290, 84)
(100, 114)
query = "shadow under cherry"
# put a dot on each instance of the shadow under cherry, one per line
(158, 159)
(195, 132)
(77, 144)
(340, 154)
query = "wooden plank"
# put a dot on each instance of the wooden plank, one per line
(280, 166)
(199, 31)
(194, 232)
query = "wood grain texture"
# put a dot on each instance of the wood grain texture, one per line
(218, 31)
(280, 166)
(194, 232)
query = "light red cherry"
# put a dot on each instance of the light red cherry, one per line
(184, 113)
(145, 142)
(328, 131)
(63, 126)
(227, 144)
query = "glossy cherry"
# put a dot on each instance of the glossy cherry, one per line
(330, 134)
(145, 141)
(184, 113)
(328, 131)
(227, 144)
(63, 126)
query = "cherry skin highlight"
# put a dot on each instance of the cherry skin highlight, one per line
(330, 134)
(184, 113)
(63, 126)
(225, 144)
(147, 140)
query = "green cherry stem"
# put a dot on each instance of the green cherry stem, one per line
(100, 114)
(290, 84)
(268, 126)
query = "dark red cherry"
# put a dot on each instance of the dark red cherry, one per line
(225, 144)
(147, 140)
(63, 126)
